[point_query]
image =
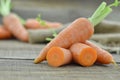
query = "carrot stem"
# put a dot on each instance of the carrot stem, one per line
(54, 35)
(42, 22)
(5, 7)
(102, 11)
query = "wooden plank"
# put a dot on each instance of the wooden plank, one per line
(26, 70)
(19, 50)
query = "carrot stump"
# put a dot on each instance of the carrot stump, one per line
(58, 56)
(83, 54)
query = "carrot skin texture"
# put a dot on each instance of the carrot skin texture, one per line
(4, 33)
(83, 54)
(104, 57)
(72, 34)
(34, 24)
(58, 56)
(13, 24)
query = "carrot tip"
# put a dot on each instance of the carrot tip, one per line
(115, 64)
(36, 61)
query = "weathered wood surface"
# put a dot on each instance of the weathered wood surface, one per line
(26, 70)
(15, 49)
(16, 63)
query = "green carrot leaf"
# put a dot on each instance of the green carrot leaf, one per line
(5, 7)
(102, 11)
(48, 39)
(116, 4)
(54, 35)
(42, 22)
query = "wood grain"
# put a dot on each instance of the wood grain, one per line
(27, 70)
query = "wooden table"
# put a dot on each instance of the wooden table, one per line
(16, 63)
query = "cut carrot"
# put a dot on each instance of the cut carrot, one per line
(72, 34)
(34, 24)
(13, 24)
(83, 54)
(58, 56)
(104, 57)
(4, 33)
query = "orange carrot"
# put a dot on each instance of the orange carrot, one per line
(79, 31)
(34, 24)
(4, 33)
(13, 24)
(58, 56)
(53, 24)
(83, 54)
(104, 57)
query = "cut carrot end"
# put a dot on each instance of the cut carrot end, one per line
(88, 57)
(83, 54)
(57, 56)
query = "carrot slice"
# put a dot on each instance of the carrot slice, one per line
(83, 54)
(58, 56)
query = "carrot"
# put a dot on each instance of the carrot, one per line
(4, 33)
(79, 31)
(58, 56)
(53, 24)
(34, 24)
(104, 57)
(13, 24)
(83, 54)
(72, 34)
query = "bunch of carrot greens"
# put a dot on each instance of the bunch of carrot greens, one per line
(72, 42)
(14, 25)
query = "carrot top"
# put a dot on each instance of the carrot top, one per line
(102, 11)
(54, 35)
(5, 9)
(42, 22)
